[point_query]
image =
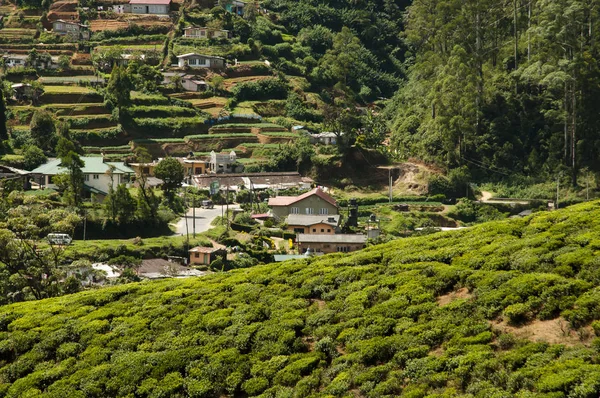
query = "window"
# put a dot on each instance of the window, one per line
(197, 255)
(295, 210)
(310, 210)
(202, 33)
(299, 230)
(323, 211)
(328, 229)
(87, 177)
(322, 230)
(192, 61)
(314, 230)
(96, 177)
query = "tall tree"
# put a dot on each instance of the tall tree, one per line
(43, 129)
(119, 87)
(171, 171)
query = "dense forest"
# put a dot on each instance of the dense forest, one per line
(506, 88)
(503, 309)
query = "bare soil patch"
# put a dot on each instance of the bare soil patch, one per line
(450, 297)
(554, 331)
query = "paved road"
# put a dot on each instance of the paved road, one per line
(203, 219)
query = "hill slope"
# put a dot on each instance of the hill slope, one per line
(415, 317)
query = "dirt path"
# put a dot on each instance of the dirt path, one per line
(485, 196)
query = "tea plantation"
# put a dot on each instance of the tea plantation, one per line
(442, 315)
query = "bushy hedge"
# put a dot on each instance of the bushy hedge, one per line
(416, 317)
(265, 89)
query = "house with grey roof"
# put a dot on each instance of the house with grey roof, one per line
(96, 174)
(193, 60)
(313, 224)
(330, 243)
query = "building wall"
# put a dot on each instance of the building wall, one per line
(312, 205)
(330, 247)
(149, 9)
(320, 229)
(206, 258)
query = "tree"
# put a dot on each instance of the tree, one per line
(72, 183)
(43, 129)
(33, 157)
(373, 132)
(64, 62)
(3, 130)
(216, 82)
(343, 122)
(295, 156)
(171, 171)
(251, 11)
(120, 205)
(32, 270)
(119, 87)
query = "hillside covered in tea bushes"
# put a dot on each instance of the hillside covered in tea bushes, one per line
(501, 309)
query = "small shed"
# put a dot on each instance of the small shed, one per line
(201, 255)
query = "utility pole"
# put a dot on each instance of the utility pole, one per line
(194, 214)
(587, 186)
(84, 223)
(390, 178)
(227, 203)
(557, 188)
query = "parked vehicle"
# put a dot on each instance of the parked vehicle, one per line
(59, 239)
(207, 204)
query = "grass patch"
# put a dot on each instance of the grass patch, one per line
(67, 90)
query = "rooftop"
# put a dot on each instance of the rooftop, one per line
(191, 55)
(276, 179)
(308, 220)
(337, 238)
(289, 200)
(202, 249)
(152, 2)
(91, 165)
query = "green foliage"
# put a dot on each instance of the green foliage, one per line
(43, 130)
(171, 171)
(264, 89)
(119, 87)
(372, 321)
(33, 157)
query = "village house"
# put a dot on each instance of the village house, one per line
(191, 167)
(194, 32)
(327, 243)
(224, 163)
(200, 255)
(72, 30)
(193, 60)
(254, 181)
(45, 61)
(13, 177)
(326, 138)
(315, 202)
(313, 224)
(156, 7)
(193, 83)
(96, 174)
(236, 7)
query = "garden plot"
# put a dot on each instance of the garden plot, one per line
(17, 34)
(228, 84)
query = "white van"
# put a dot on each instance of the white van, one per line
(59, 239)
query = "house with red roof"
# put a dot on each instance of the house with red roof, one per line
(161, 7)
(315, 202)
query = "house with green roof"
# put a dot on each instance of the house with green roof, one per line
(96, 174)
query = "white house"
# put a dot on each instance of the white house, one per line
(193, 60)
(14, 60)
(96, 174)
(194, 32)
(160, 7)
(326, 138)
(193, 83)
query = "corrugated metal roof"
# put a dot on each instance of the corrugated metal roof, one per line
(308, 220)
(337, 238)
(91, 165)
